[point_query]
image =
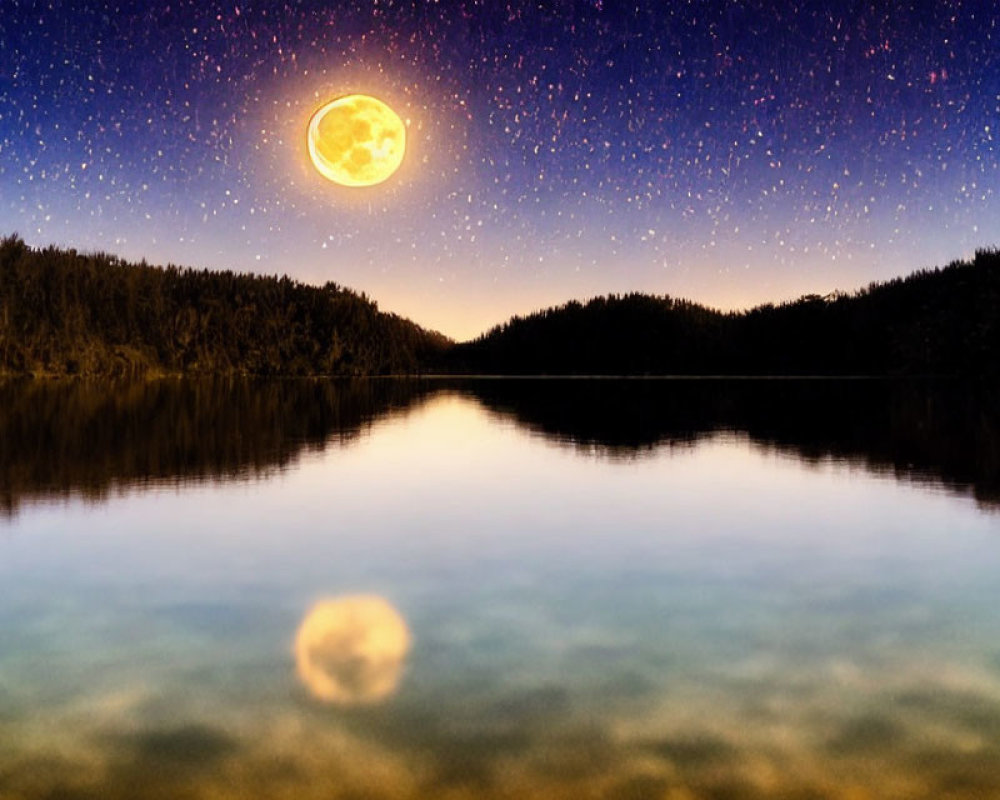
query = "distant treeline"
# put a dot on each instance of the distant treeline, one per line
(64, 313)
(934, 322)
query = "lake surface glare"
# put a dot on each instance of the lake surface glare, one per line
(517, 589)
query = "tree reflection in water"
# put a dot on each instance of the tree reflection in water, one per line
(88, 438)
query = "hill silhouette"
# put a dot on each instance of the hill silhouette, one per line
(934, 322)
(66, 313)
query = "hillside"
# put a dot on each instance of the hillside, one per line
(934, 322)
(66, 313)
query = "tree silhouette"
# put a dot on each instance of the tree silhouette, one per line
(62, 312)
(938, 322)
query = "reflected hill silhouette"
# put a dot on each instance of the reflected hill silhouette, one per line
(91, 437)
(945, 432)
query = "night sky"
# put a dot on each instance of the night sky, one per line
(729, 152)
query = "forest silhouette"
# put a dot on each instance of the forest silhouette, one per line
(66, 313)
(934, 322)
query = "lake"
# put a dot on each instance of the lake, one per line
(499, 588)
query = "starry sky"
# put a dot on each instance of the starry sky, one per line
(728, 151)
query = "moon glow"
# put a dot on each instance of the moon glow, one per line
(356, 140)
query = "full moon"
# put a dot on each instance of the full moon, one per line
(356, 140)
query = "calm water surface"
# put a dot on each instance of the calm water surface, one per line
(499, 589)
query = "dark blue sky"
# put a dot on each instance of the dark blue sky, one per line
(731, 152)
